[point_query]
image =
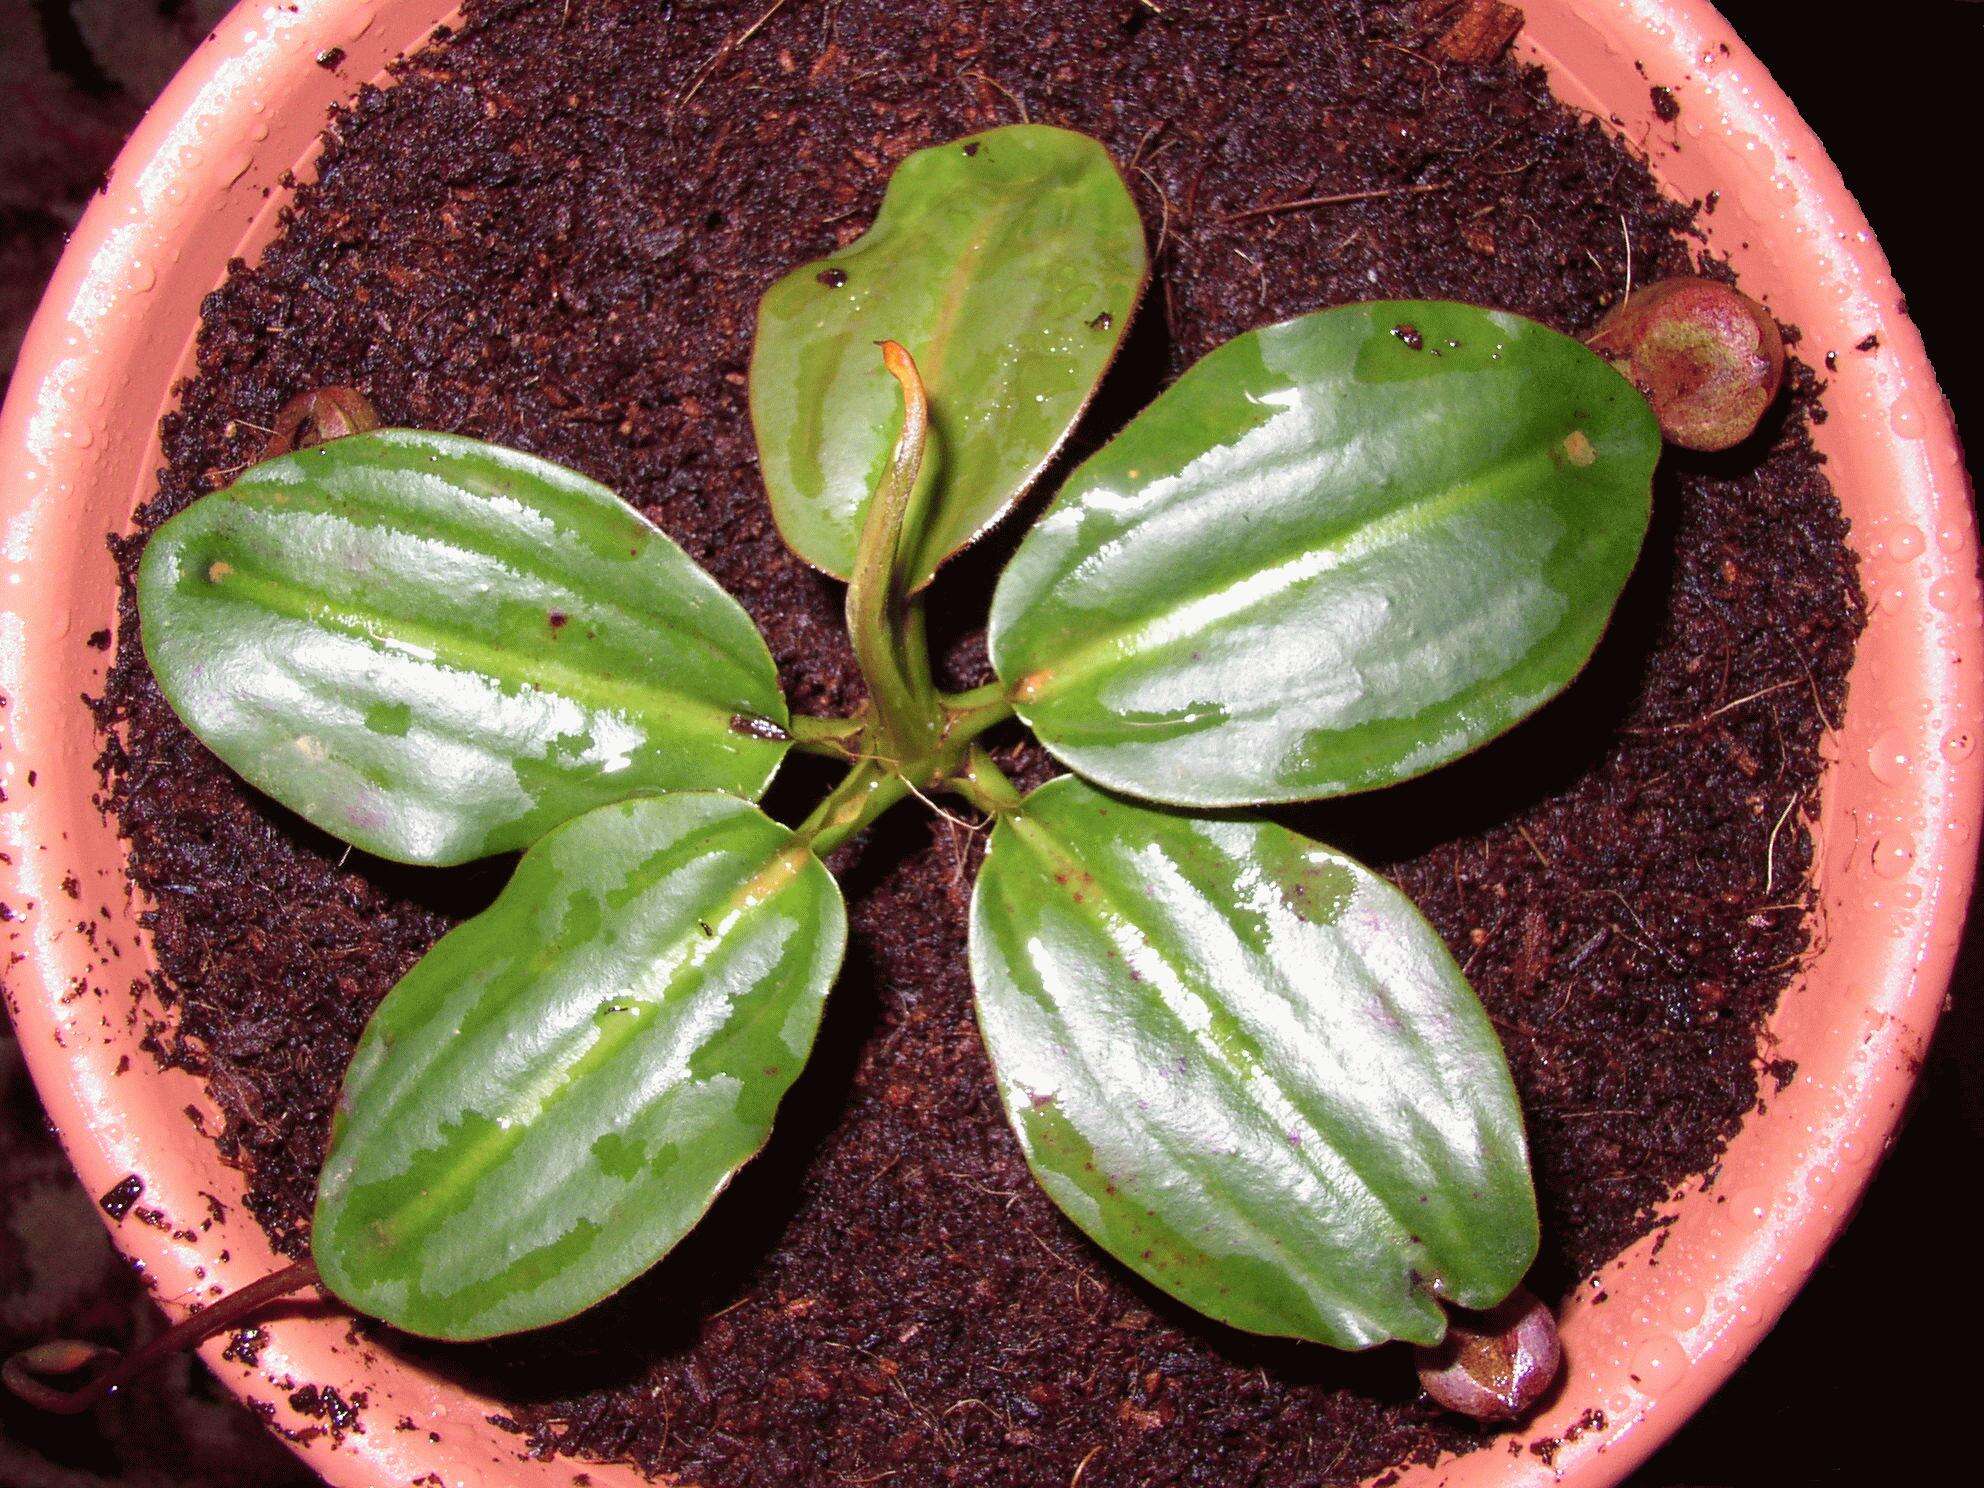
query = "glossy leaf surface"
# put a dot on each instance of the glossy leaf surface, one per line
(1338, 552)
(556, 1093)
(437, 649)
(1008, 263)
(1249, 1069)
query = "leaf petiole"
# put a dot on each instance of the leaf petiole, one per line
(878, 781)
(985, 785)
(836, 738)
(868, 790)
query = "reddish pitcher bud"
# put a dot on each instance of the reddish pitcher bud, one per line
(1494, 1365)
(318, 416)
(1707, 357)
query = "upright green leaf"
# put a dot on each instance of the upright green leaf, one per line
(1336, 553)
(1248, 1069)
(557, 1092)
(437, 649)
(1009, 264)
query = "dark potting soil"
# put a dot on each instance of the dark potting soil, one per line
(552, 232)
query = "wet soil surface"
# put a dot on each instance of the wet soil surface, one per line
(552, 232)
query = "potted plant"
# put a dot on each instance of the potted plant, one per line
(1624, 1390)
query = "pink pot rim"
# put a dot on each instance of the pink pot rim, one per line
(1898, 827)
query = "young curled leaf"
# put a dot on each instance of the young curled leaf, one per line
(1248, 1069)
(1008, 263)
(1338, 552)
(436, 649)
(556, 1092)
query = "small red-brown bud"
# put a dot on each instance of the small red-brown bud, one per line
(1493, 1365)
(1707, 357)
(318, 416)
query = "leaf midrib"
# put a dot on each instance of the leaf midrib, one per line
(525, 558)
(1226, 1075)
(511, 1127)
(1354, 542)
(731, 1032)
(655, 705)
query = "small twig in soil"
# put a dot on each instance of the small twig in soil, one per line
(1770, 847)
(1010, 1195)
(893, 1163)
(936, 1426)
(1818, 702)
(1011, 97)
(1053, 1255)
(1392, 46)
(1137, 155)
(1082, 1466)
(725, 51)
(1164, 214)
(1260, 272)
(953, 819)
(998, 1415)
(1710, 717)
(1583, 953)
(1335, 199)
(1647, 937)
(1355, 235)
(1627, 232)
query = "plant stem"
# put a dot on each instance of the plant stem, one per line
(969, 714)
(888, 633)
(25, 1372)
(914, 644)
(836, 738)
(979, 697)
(879, 781)
(985, 785)
(869, 789)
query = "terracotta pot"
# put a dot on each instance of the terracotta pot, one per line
(1901, 803)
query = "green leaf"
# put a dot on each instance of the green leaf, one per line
(1008, 263)
(557, 1092)
(1336, 553)
(1248, 1069)
(437, 649)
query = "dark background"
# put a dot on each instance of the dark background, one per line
(1863, 1381)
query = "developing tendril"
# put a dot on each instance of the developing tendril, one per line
(28, 1372)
